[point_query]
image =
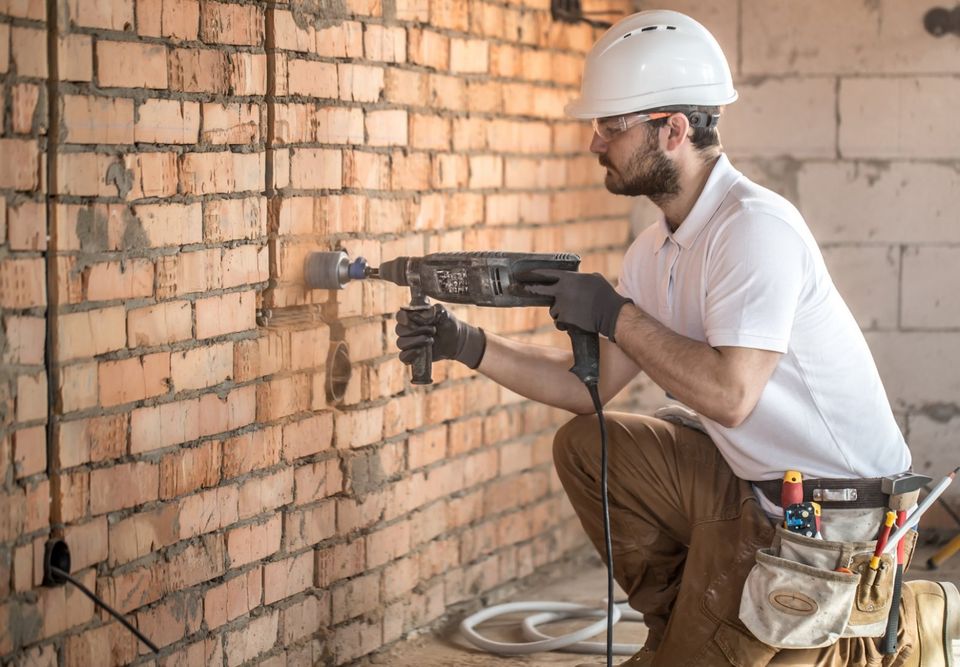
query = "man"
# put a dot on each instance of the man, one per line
(727, 305)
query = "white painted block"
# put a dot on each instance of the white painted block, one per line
(930, 296)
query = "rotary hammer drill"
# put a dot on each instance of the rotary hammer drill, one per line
(490, 278)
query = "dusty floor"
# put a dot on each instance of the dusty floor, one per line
(444, 649)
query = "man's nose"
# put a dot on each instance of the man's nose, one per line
(597, 144)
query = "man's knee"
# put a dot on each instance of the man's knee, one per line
(571, 438)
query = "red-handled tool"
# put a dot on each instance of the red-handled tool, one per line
(888, 522)
(791, 492)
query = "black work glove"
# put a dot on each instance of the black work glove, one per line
(436, 326)
(583, 300)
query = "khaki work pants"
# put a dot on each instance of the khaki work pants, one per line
(685, 531)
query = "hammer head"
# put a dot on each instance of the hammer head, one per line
(904, 482)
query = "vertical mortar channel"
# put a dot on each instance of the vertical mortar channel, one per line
(269, 191)
(51, 345)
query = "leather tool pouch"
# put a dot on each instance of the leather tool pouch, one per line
(794, 597)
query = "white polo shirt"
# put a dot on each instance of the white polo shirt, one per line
(743, 270)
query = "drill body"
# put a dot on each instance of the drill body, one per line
(489, 278)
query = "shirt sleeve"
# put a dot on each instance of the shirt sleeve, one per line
(755, 277)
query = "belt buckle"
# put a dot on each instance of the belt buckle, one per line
(834, 495)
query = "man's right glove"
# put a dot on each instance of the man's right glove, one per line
(436, 326)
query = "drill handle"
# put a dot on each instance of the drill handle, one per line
(423, 363)
(586, 355)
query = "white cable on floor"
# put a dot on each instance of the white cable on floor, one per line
(549, 612)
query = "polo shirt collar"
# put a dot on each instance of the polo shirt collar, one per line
(718, 184)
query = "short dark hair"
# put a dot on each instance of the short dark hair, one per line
(703, 137)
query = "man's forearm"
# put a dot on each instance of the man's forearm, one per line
(715, 382)
(535, 371)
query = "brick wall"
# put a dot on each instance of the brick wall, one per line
(163, 176)
(848, 110)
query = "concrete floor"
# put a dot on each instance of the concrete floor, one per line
(445, 648)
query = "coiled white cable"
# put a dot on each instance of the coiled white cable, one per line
(549, 612)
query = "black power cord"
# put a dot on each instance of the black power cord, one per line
(607, 536)
(58, 573)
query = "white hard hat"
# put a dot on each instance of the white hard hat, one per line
(653, 59)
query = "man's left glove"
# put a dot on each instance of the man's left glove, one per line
(436, 326)
(583, 300)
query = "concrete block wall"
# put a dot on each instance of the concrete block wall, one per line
(165, 394)
(848, 109)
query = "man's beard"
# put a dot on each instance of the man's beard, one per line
(649, 172)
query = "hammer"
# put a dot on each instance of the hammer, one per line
(903, 490)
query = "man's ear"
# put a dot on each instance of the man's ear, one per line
(679, 127)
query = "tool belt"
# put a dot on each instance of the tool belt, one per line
(806, 592)
(832, 493)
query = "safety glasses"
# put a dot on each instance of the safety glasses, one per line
(611, 127)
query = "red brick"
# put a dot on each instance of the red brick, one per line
(232, 599)
(158, 325)
(228, 313)
(134, 379)
(123, 485)
(169, 18)
(167, 122)
(386, 127)
(253, 542)
(223, 23)
(307, 437)
(201, 367)
(307, 527)
(229, 413)
(29, 49)
(25, 340)
(235, 123)
(339, 562)
(73, 497)
(360, 83)
(300, 619)
(355, 597)
(469, 55)
(366, 171)
(29, 451)
(248, 73)
(4, 47)
(235, 219)
(286, 578)
(258, 495)
(251, 451)
(282, 397)
(294, 123)
(177, 616)
(207, 511)
(164, 425)
(92, 439)
(153, 174)
(258, 636)
(75, 55)
(199, 71)
(90, 333)
(405, 87)
(257, 357)
(110, 644)
(142, 533)
(385, 43)
(428, 48)
(316, 481)
(131, 65)
(19, 170)
(31, 397)
(204, 173)
(201, 561)
(245, 265)
(97, 120)
(429, 132)
(312, 78)
(170, 224)
(107, 281)
(410, 171)
(85, 174)
(78, 386)
(387, 544)
(189, 469)
(359, 428)
(96, 14)
(316, 168)
(427, 447)
(27, 225)
(24, 99)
